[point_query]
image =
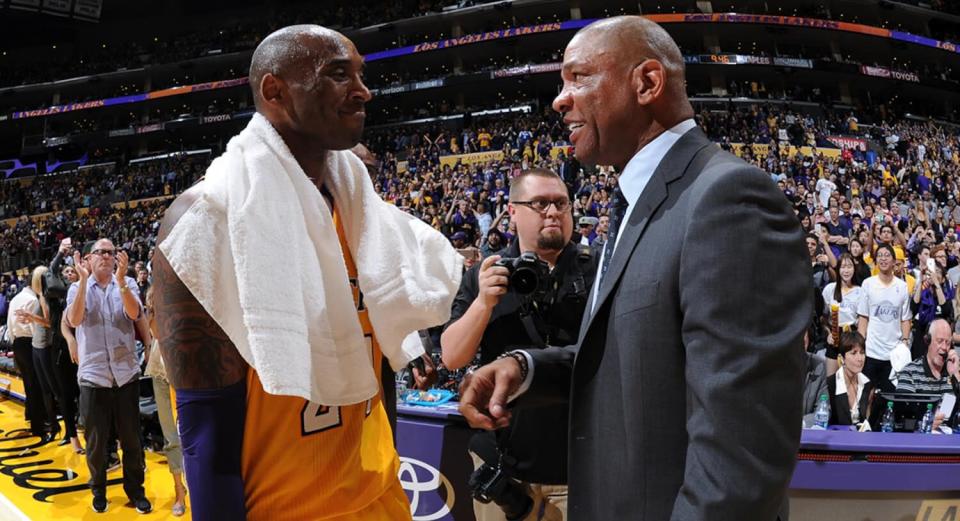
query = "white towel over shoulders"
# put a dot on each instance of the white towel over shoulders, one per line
(259, 250)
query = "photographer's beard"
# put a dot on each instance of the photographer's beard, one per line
(551, 240)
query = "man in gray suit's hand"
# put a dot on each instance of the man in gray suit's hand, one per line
(685, 387)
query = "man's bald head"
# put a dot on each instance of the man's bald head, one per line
(294, 54)
(307, 82)
(623, 85)
(634, 39)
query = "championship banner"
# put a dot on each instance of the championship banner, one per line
(848, 143)
(471, 159)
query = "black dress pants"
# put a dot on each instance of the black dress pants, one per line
(65, 373)
(34, 407)
(104, 408)
(50, 382)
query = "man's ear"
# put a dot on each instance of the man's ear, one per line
(273, 91)
(649, 81)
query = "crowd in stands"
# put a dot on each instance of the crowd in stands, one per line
(59, 205)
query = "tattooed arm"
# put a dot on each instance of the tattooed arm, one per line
(208, 375)
(196, 352)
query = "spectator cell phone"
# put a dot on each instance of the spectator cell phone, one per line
(931, 265)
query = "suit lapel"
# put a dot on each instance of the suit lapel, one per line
(673, 166)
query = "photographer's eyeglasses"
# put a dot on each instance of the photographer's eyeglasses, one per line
(542, 205)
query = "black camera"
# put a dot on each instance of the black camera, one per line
(490, 483)
(527, 272)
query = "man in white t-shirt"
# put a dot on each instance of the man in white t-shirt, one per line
(825, 188)
(884, 317)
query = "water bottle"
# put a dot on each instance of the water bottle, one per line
(401, 385)
(926, 424)
(821, 417)
(887, 424)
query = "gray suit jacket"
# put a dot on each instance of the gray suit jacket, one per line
(814, 385)
(685, 387)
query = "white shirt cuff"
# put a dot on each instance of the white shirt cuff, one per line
(525, 384)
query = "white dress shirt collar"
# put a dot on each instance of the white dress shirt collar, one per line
(642, 165)
(842, 383)
(635, 177)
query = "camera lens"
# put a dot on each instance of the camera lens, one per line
(524, 281)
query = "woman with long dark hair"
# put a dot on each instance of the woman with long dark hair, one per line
(844, 297)
(862, 269)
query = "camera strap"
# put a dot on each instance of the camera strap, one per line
(526, 318)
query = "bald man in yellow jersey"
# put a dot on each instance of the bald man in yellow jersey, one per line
(249, 454)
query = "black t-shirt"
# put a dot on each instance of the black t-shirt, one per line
(537, 437)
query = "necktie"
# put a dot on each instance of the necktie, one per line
(618, 208)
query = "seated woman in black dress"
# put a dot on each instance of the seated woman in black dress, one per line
(849, 389)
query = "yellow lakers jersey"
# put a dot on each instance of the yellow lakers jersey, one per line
(307, 461)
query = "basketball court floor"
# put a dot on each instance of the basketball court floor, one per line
(41, 482)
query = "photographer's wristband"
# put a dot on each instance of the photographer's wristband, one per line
(525, 362)
(521, 360)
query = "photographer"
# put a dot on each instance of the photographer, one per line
(496, 311)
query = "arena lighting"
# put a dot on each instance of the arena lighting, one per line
(97, 165)
(527, 109)
(171, 154)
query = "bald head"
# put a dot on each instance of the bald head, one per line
(294, 54)
(623, 85)
(307, 82)
(634, 39)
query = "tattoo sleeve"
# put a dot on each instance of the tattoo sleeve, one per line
(196, 352)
